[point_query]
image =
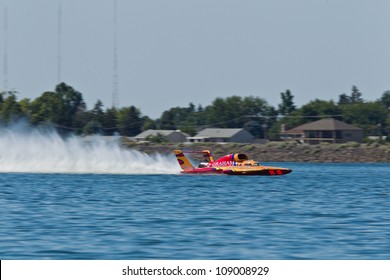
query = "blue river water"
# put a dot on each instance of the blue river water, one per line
(320, 211)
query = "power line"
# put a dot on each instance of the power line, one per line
(293, 117)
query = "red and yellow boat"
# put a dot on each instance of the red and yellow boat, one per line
(232, 164)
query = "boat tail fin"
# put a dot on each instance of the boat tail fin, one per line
(185, 164)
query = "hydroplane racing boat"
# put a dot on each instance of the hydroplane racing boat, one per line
(232, 164)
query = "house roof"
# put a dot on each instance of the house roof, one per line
(92, 138)
(323, 124)
(151, 132)
(218, 132)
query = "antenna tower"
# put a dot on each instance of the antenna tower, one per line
(115, 92)
(59, 43)
(5, 69)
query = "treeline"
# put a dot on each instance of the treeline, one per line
(65, 109)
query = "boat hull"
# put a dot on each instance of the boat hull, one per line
(266, 171)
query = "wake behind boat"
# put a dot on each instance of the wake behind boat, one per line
(232, 164)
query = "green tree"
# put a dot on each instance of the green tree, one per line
(10, 108)
(93, 127)
(309, 112)
(252, 113)
(254, 128)
(59, 107)
(178, 118)
(129, 121)
(97, 111)
(344, 99)
(356, 95)
(287, 106)
(235, 111)
(110, 123)
(371, 116)
(216, 113)
(91, 121)
(25, 107)
(81, 118)
(148, 123)
(71, 100)
(47, 108)
(167, 120)
(385, 99)
(319, 109)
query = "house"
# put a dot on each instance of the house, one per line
(325, 130)
(101, 138)
(171, 135)
(223, 135)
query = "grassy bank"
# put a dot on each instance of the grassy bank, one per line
(281, 151)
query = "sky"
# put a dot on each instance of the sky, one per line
(173, 52)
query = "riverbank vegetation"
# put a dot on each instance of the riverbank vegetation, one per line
(278, 151)
(65, 109)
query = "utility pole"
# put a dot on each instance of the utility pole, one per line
(59, 42)
(5, 69)
(115, 92)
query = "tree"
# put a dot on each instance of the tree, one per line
(371, 116)
(59, 107)
(235, 111)
(191, 107)
(110, 121)
(25, 105)
(287, 106)
(167, 120)
(129, 121)
(319, 108)
(385, 99)
(217, 112)
(10, 108)
(356, 95)
(254, 128)
(178, 117)
(344, 99)
(47, 108)
(148, 123)
(98, 109)
(71, 100)
(97, 113)
(81, 118)
(93, 127)
(309, 112)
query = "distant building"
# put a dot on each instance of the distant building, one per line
(101, 138)
(222, 135)
(325, 130)
(171, 135)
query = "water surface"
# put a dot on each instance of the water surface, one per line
(320, 211)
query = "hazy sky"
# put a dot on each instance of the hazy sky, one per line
(172, 52)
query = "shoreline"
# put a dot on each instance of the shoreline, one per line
(280, 151)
